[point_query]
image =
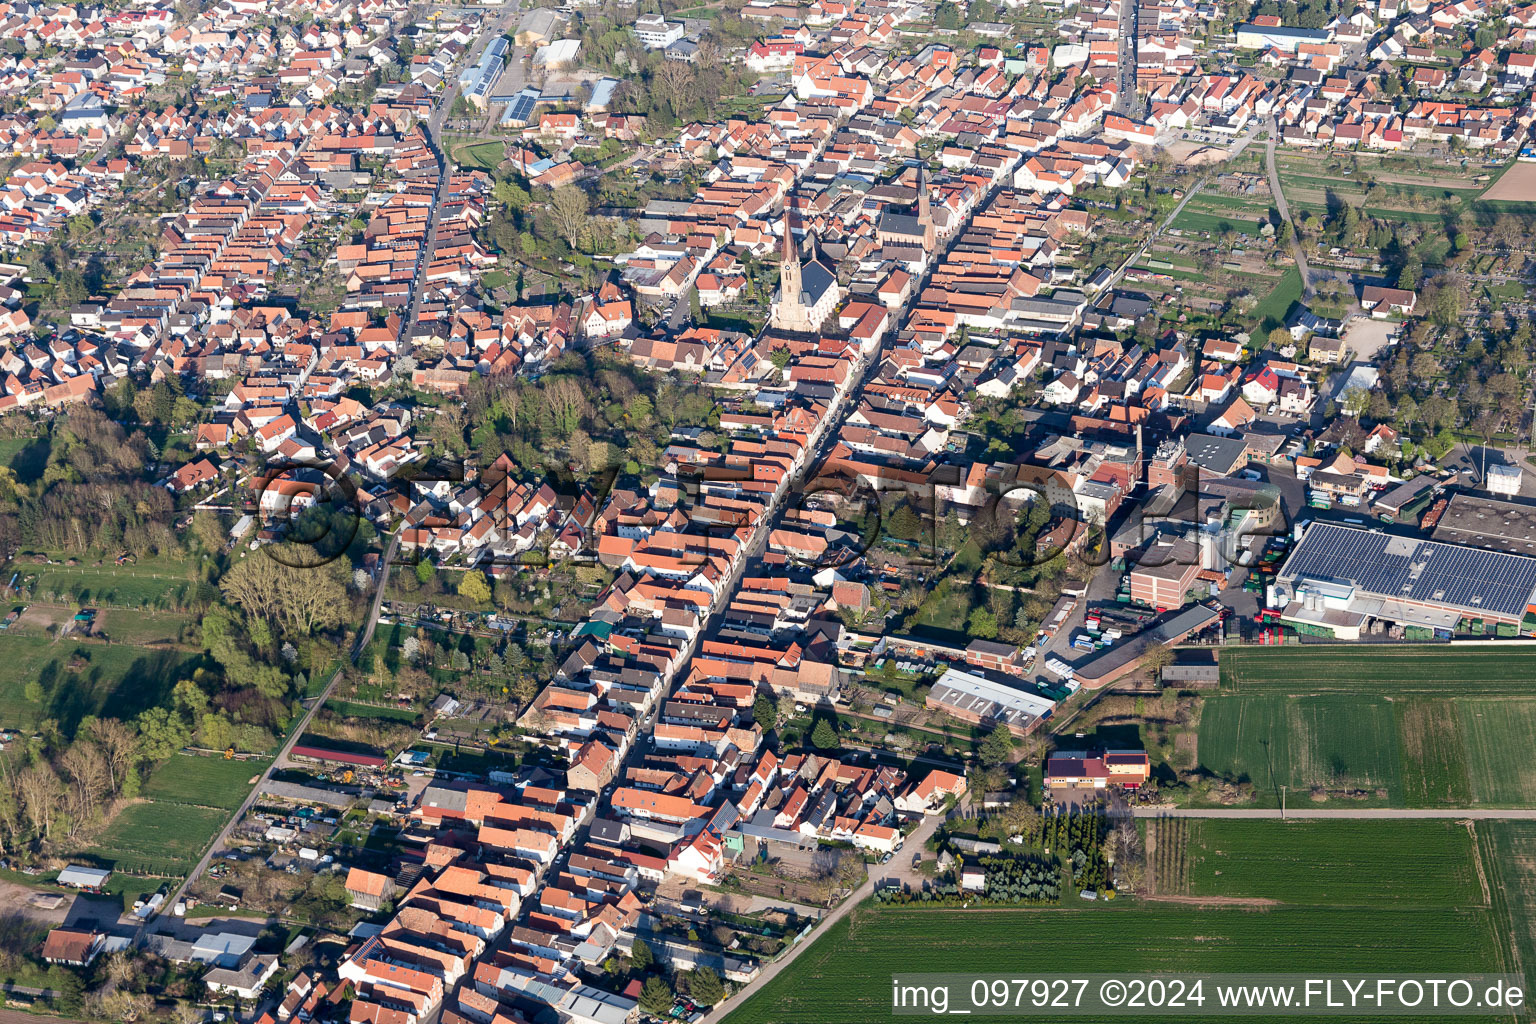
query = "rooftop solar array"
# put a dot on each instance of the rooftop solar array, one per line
(1405, 568)
(521, 107)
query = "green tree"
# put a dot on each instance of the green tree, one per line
(996, 748)
(425, 570)
(642, 955)
(764, 712)
(656, 996)
(705, 986)
(511, 195)
(982, 624)
(474, 587)
(904, 523)
(824, 737)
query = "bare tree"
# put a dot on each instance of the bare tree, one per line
(39, 786)
(89, 776)
(675, 83)
(1156, 658)
(119, 745)
(568, 213)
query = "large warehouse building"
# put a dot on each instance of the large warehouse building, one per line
(1341, 577)
(982, 701)
(1481, 522)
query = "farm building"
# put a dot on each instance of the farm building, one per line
(1128, 768)
(1491, 523)
(972, 698)
(325, 756)
(1122, 659)
(1391, 504)
(84, 878)
(1339, 577)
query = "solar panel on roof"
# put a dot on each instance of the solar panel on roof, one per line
(1424, 571)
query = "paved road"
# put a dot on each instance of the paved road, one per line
(1377, 813)
(433, 131)
(362, 643)
(899, 870)
(1126, 102)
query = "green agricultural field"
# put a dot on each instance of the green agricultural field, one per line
(1492, 732)
(1402, 863)
(1333, 742)
(1342, 896)
(203, 781)
(1412, 750)
(1436, 669)
(161, 838)
(76, 680)
(846, 975)
(1505, 847)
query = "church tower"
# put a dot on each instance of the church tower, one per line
(925, 209)
(787, 313)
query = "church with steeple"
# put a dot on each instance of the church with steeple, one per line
(808, 290)
(909, 236)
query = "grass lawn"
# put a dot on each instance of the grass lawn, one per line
(352, 709)
(203, 781)
(124, 586)
(1271, 312)
(1242, 222)
(480, 155)
(26, 456)
(163, 838)
(119, 677)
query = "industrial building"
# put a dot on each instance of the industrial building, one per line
(1490, 523)
(981, 701)
(1281, 37)
(1339, 578)
(478, 81)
